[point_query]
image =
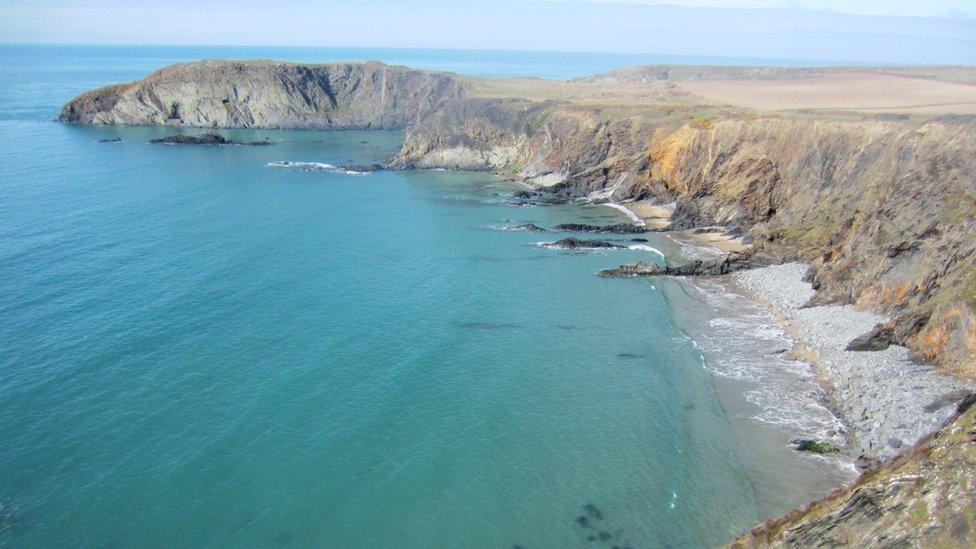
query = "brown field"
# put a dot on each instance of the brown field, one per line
(844, 91)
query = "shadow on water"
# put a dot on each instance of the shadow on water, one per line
(594, 528)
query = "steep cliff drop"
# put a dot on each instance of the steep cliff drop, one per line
(270, 95)
(882, 205)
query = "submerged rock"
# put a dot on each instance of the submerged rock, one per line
(111, 140)
(204, 139)
(592, 511)
(577, 244)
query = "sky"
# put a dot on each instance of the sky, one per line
(864, 31)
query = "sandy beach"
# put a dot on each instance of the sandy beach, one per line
(658, 216)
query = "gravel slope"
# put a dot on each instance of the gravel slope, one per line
(887, 400)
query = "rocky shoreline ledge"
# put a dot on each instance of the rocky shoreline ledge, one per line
(887, 400)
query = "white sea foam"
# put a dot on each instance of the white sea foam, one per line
(511, 227)
(694, 250)
(633, 217)
(646, 248)
(312, 167)
(743, 342)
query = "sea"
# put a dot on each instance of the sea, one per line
(251, 346)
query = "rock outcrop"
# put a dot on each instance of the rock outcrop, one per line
(577, 244)
(884, 210)
(204, 139)
(924, 497)
(883, 207)
(267, 94)
(704, 267)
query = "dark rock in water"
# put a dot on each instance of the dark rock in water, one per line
(619, 228)
(779, 351)
(583, 521)
(576, 244)
(592, 511)
(638, 240)
(591, 537)
(689, 406)
(112, 140)
(529, 227)
(866, 461)
(362, 168)
(604, 535)
(204, 139)
(878, 339)
(813, 446)
(539, 199)
(629, 356)
(710, 267)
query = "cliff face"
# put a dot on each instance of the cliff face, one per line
(884, 210)
(265, 94)
(925, 497)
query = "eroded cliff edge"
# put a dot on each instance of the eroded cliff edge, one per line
(882, 206)
(885, 210)
(270, 95)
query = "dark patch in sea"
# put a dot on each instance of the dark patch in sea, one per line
(592, 511)
(630, 356)
(489, 325)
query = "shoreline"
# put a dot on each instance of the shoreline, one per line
(887, 401)
(695, 242)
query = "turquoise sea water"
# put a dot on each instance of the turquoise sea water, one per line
(199, 349)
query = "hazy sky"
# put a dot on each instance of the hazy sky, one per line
(893, 31)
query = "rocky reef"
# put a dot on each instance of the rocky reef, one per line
(267, 94)
(204, 139)
(702, 267)
(884, 210)
(881, 205)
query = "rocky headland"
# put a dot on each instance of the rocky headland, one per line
(879, 203)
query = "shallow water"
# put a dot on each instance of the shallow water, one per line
(198, 346)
